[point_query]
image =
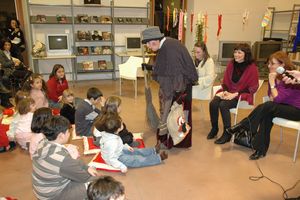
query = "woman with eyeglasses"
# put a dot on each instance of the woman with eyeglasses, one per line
(284, 103)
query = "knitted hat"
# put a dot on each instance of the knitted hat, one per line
(151, 33)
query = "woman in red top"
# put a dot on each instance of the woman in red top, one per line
(240, 79)
(56, 84)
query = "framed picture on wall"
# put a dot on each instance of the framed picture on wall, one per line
(92, 2)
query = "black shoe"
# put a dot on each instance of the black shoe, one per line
(213, 133)
(224, 138)
(236, 129)
(2, 149)
(257, 155)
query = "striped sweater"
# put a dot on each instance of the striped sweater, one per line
(56, 175)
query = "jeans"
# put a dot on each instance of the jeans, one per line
(140, 157)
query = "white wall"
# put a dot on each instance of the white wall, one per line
(232, 28)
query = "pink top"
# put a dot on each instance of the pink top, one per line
(39, 98)
(23, 130)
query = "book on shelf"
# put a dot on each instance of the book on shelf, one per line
(88, 65)
(96, 50)
(94, 19)
(102, 65)
(83, 19)
(106, 19)
(61, 19)
(96, 35)
(92, 2)
(84, 35)
(84, 51)
(106, 35)
(41, 19)
(106, 50)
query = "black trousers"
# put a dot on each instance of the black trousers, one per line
(260, 121)
(224, 106)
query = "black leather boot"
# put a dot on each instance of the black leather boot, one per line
(224, 138)
(213, 133)
(236, 129)
(257, 155)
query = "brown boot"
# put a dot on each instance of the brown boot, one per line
(163, 155)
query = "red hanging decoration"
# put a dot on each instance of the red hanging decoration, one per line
(192, 20)
(219, 25)
(168, 18)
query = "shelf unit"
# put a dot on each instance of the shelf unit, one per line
(121, 25)
(283, 25)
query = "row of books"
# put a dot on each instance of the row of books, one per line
(100, 65)
(105, 19)
(93, 35)
(94, 50)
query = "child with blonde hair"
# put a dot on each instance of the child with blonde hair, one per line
(25, 108)
(68, 108)
(37, 89)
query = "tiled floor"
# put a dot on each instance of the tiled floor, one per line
(205, 171)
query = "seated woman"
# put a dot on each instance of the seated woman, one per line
(12, 67)
(240, 79)
(285, 103)
(16, 36)
(204, 65)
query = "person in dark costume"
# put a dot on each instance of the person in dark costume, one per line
(175, 72)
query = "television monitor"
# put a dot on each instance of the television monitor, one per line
(133, 43)
(58, 44)
(226, 49)
(263, 49)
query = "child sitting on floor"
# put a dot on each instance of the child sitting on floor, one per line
(106, 188)
(37, 89)
(86, 112)
(56, 175)
(68, 108)
(121, 156)
(113, 106)
(25, 108)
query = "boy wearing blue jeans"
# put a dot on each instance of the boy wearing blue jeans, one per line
(120, 155)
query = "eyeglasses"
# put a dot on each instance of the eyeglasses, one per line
(271, 63)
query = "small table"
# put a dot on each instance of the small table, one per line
(133, 53)
(65, 57)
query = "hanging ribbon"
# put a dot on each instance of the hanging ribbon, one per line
(180, 26)
(245, 17)
(267, 17)
(175, 17)
(168, 18)
(205, 22)
(184, 19)
(192, 21)
(219, 25)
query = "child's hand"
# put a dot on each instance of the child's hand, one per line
(93, 172)
(124, 170)
(73, 151)
(59, 98)
(130, 149)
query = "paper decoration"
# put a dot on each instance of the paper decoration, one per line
(297, 39)
(192, 21)
(205, 22)
(199, 28)
(219, 25)
(175, 17)
(168, 18)
(180, 26)
(185, 19)
(245, 17)
(267, 18)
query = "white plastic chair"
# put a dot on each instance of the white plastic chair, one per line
(244, 104)
(288, 124)
(128, 70)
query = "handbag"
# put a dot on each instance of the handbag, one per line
(244, 137)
